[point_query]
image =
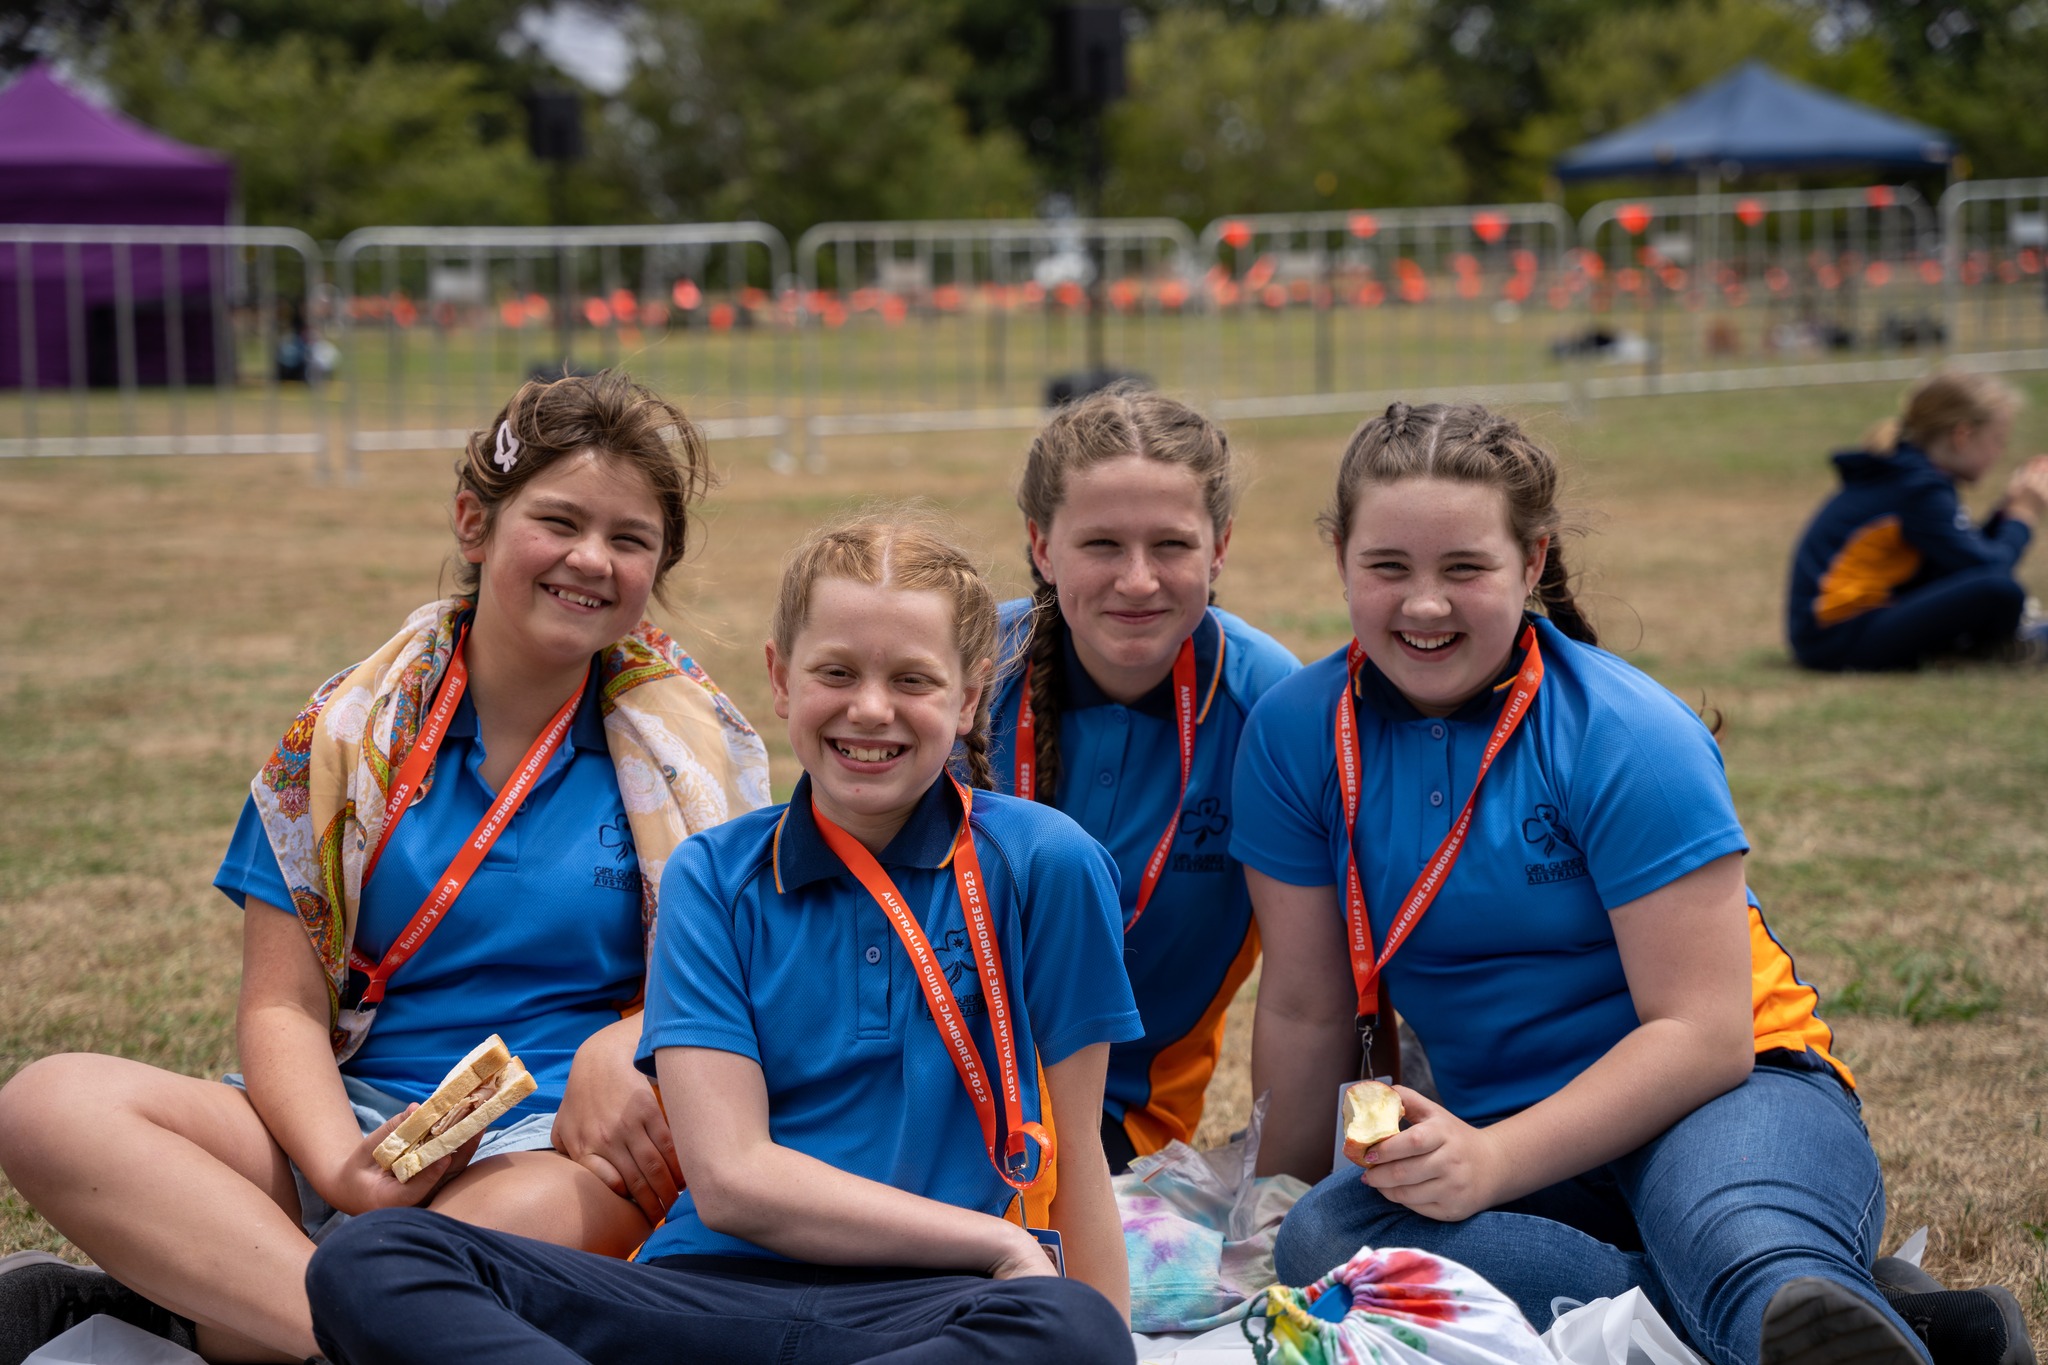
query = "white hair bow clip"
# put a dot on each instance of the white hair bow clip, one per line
(507, 453)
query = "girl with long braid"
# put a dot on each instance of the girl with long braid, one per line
(881, 1025)
(1535, 843)
(1125, 712)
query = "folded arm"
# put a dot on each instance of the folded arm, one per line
(746, 1185)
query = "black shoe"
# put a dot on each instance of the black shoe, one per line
(1898, 1278)
(1812, 1321)
(1968, 1326)
(42, 1297)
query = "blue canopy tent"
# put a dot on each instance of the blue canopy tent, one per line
(1754, 119)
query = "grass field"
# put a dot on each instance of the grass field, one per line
(169, 615)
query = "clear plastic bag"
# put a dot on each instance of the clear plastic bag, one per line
(1624, 1330)
(1199, 1230)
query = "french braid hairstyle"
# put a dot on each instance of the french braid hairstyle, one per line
(1467, 444)
(1121, 420)
(551, 420)
(911, 552)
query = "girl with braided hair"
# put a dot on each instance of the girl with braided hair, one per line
(1535, 844)
(880, 1024)
(1124, 711)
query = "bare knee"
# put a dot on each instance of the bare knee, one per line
(548, 1197)
(41, 1107)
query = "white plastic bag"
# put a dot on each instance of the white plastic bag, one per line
(1620, 1331)
(101, 1340)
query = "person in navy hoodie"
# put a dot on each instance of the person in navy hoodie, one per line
(1892, 570)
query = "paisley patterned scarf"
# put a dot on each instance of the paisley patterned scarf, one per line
(685, 758)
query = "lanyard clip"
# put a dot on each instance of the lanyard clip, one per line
(1366, 1023)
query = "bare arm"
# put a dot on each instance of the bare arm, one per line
(746, 1185)
(1685, 950)
(288, 1064)
(612, 1124)
(1304, 1037)
(1084, 1205)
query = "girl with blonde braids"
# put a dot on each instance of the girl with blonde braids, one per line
(1125, 710)
(1536, 845)
(881, 1027)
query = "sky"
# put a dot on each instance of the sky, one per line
(587, 45)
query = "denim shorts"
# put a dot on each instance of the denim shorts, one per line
(534, 1133)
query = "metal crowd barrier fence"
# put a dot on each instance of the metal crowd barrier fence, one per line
(164, 340)
(439, 325)
(1339, 311)
(1726, 291)
(961, 326)
(1995, 261)
(159, 341)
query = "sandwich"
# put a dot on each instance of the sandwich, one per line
(1372, 1114)
(480, 1088)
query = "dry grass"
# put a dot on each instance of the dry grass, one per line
(166, 617)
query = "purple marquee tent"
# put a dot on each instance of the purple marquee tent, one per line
(66, 161)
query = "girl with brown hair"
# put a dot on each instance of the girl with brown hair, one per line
(461, 835)
(1533, 844)
(881, 1029)
(1124, 711)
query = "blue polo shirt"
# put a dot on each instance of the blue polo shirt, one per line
(1119, 779)
(774, 951)
(1611, 789)
(545, 945)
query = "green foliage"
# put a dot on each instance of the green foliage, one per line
(1891, 978)
(1632, 62)
(796, 111)
(1325, 111)
(1490, 55)
(321, 143)
(1993, 107)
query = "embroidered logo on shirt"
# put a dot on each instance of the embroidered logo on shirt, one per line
(1546, 829)
(1207, 818)
(960, 971)
(618, 837)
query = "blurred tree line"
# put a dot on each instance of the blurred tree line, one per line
(348, 112)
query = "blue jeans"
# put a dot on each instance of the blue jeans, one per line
(1965, 613)
(405, 1285)
(1770, 1182)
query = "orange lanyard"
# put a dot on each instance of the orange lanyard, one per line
(1365, 967)
(1012, 1160)
(411, 774)
(1026, 774)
